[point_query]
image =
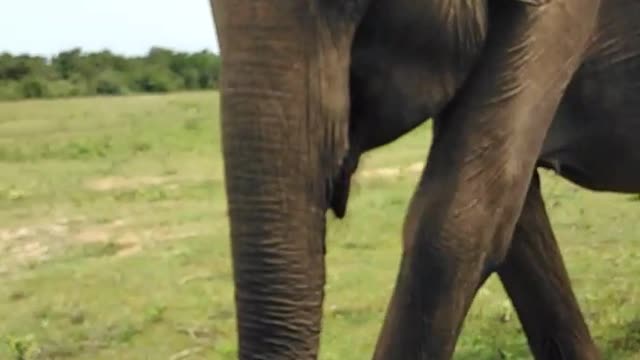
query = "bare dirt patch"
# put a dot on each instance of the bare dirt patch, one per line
(23, 245)
(391, 172)
(28, 245)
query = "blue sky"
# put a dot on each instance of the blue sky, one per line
(130, 27)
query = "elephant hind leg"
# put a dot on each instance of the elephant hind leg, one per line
(535, 278)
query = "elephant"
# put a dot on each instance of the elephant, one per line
(511, 87)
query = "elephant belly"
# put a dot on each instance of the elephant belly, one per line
(598, 159)
(594, 139)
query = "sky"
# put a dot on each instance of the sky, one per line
(128, 27)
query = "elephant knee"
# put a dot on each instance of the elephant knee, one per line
(460, 227)
(450, 252)
(448, 246)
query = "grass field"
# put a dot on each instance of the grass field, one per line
(114, 243)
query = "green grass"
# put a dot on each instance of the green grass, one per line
(114, 245)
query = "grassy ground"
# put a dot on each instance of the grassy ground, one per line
(113, 241)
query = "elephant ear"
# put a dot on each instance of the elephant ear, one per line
(535, 2)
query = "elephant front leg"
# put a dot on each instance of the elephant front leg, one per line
(537, 282)
(453, 239)
(465, 209)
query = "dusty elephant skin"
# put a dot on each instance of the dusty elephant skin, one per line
(512, 85)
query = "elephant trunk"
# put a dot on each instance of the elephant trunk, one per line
(284, 126)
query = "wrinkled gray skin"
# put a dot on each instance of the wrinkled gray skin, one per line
(512, 85)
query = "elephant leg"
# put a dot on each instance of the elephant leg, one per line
(423, 320)
(537, 282)
(464, 213)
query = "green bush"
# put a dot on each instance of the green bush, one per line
(157, 80)
(33, 87)
(76, 73)
(10, 90)
(65, 88)
(191, 77)
(110, 82)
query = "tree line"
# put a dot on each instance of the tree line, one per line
(78, 73)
